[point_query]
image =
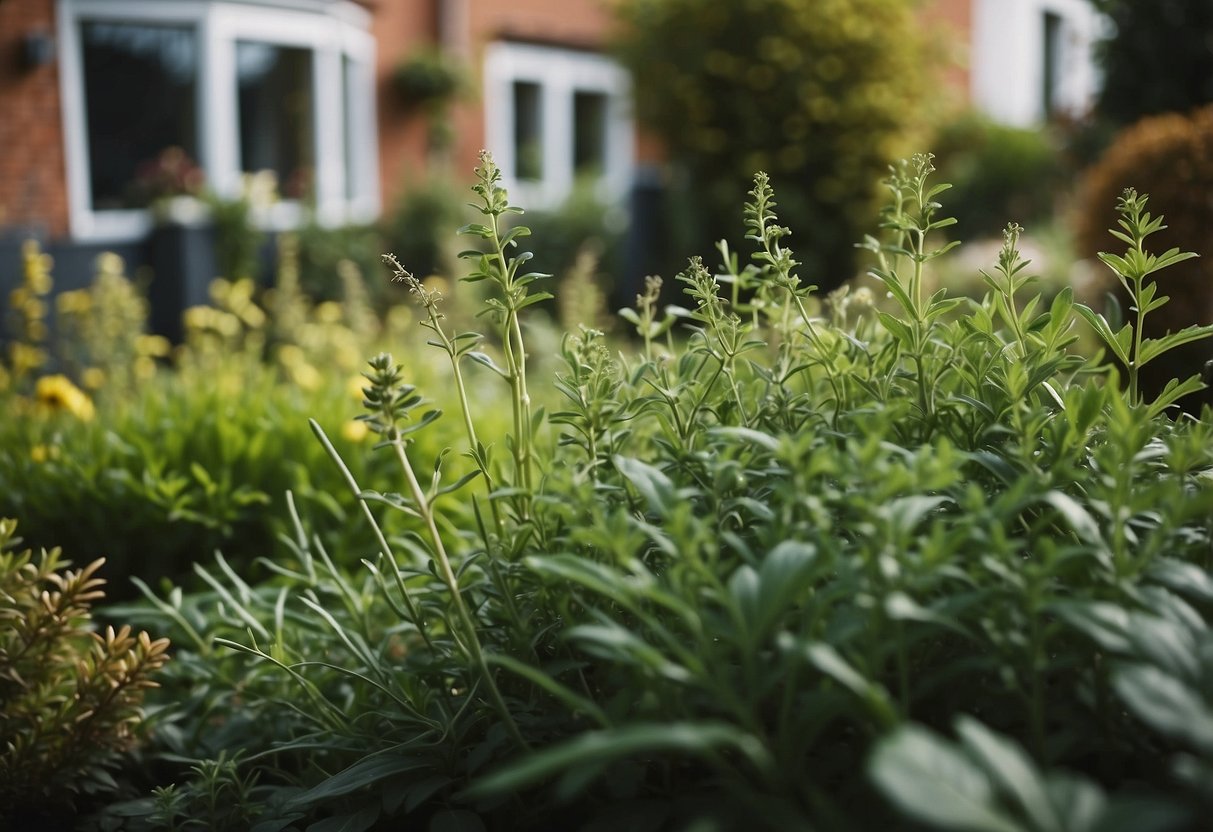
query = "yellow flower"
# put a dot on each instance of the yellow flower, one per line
(41, 453)
(75, 301)
(329, 312)
(354, 430)
(355, 385)
(93, 378)
(155, 346)
(58, 393)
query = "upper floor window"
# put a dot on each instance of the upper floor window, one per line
(235, 87)
(555, 116)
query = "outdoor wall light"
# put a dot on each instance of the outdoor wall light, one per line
(37, 49)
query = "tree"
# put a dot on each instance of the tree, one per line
(818, 93)
(1158, 59)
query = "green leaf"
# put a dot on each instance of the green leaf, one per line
(1182, 577)
(933, 783)
(1011, 770)
(1076, 517)
(1166, 704)
(652, 483)
(540, 678)
(695, 739)
(1117, 342)
(1173, 392)
(485, 360)
(826, 659)
(361, 775)
(1151, 348)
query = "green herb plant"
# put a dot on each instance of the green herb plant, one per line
(754, 571)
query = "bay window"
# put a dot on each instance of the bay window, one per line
(214, 90)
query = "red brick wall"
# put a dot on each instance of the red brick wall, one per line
(33, 186)
(401, 26)
(949, 23)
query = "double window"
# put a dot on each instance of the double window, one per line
(161, 96)
(555, 117)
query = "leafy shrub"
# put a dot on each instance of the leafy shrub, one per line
(997, 172)
(158, 460)
(732, 571)
(1171, 158)
(70, 698)
(817, 93)
(418, 228)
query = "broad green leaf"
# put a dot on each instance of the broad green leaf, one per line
(1011, 771)
(1105, 622)
(1183, 577)
(1076, 517)
(933, 783)
(1166, 704)
(1079, 804)
(652, 483)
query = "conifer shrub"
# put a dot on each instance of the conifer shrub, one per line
(70, 697)
(1170, 157)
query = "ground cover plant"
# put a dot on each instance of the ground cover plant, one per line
(808, 567)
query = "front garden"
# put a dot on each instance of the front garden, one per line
(884, 558)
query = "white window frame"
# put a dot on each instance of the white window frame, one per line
(331, 31)
(559, 73)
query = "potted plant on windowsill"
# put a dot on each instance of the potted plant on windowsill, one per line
(428, 81)
(171, 185)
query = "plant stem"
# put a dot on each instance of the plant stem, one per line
(470, 640)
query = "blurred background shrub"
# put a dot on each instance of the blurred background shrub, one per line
(821, 95)
(998, 173)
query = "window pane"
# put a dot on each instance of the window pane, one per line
(528, 131)
(347, 113)
(1052, 62)
(589, 132)
(139, 92)
(276, 113)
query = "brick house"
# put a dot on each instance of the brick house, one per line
(91, 90)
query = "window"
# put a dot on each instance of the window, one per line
(528, 131)
(1051, 69)
(235, 86)
(128, 133)
(555, 116)
(589, 132)
(276, 113)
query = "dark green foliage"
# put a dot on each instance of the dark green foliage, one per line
(741, 568)
(817, 93)
(997, 172)
(1158, 59)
